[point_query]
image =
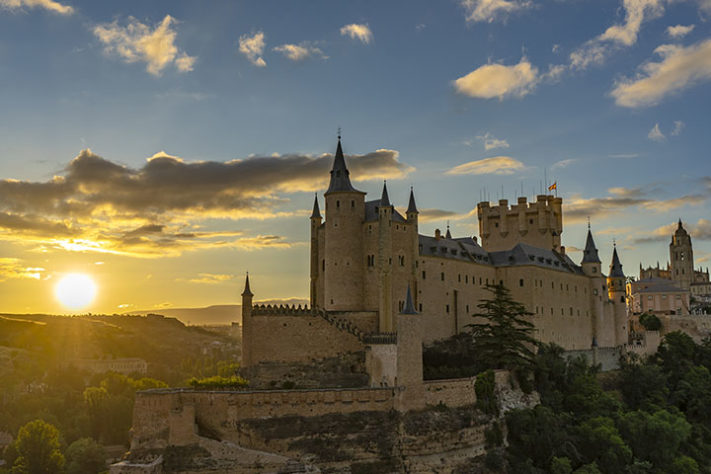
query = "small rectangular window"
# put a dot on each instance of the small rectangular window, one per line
(520, 282)
(447, 308)
(424, 275)
(442, 276)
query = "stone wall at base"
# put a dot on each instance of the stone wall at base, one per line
(451, 392)
(607, 357)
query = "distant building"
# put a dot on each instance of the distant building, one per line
(657, 296)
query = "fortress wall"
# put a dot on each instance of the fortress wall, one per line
(452, 392)
(696, 326)
(175, 416)
(298, 338)
(366, 321)
(461, 290)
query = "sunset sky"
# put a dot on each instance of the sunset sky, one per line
(165, 148)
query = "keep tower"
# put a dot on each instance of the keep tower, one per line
(342, 263)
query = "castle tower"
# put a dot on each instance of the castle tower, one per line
(246, 323)
(315, 225)
(539, 223)
(412, 220)
(616, 279)
(682, 258)
(591, 261)
(342, 264)
(385, 260)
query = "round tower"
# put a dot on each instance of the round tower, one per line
(412, 220)
(682, 258)
(246, 324)
(616, 279)
(385, 262)
(342, 263)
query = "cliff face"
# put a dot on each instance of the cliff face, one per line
(348, 431)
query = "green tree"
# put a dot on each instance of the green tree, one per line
(502, 338)
(650, 322)
(655, 437)
(85, 456)
(37, 447)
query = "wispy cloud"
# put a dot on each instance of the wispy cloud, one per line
(679, 31)
(431, 215)
(499, 81)
(358, 31)
(252, 47)
(678, 127)
(12, 268)
(563, 163)
(596, 50)
(492, 10)
(491, 142)
(301, 51)
(495, 165)
(138, 42)
(50, 5)
(211, 278)
(680, 67)
(655, 134)
(624, 155)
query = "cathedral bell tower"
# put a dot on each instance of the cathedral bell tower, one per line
(681, 256)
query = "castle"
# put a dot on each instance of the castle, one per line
(366, 258)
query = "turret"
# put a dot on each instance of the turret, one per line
(246, 323)
(591, 260)
(616, 279)
(315, 225)
(342, 265)
(413, 229)
(385, 260)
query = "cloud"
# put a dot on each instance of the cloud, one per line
(701, 231)
(494, 165)
(491, 10)
(624, 155)
(626, 192)
(496, 80)
(359, 32)
(679, 31)
(50, 5)
(670, 204)
(491, 142)
(100, 206)
(299, 52)
(656, 134)
(12, 268)
(678, 127)
(139, 42)
(596, 50)
(211, 278)
(431, 215)
(253, 48)
(680, 68)
(563, 163)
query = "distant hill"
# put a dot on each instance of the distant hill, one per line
(212, 315)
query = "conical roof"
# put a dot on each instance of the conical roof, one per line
(385, 199)
(340, 180)
(409, 307)
(411, 207)
(590, 253)
(616, 266)
(316, 214)
(247, 291)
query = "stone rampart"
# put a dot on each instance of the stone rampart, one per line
(451, 392)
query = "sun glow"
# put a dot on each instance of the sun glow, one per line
(75, 290)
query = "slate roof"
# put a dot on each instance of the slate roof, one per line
(340, 180)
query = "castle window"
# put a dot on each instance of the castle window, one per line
(571, 310)
(561, 287)
(424, 275)
(371, 260)
(446, 308)
(520, 282)
(442, 276)
(595, 291)
(551, 311)
(552, 286)
(622, 299)
(459, 278)
(496, 225)
(399, 306)
(480, 281)
(562, 312)
(401, 258)
(466, 278)
(352, 203)
(420, 307)
(323, 265)
(338, 204)
(501, 282)
(467, 308)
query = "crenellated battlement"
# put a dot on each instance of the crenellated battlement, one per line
(281, 310)
(538, 223)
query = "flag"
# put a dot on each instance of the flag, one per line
(553, 186)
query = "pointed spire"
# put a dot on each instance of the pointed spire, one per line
(247, 291)
(590, 253)
(411, 207)
(680, 223)
(384, 199)
(616, 266)
(316, 214)
(409, 307)
(340, 180)
(448, 235)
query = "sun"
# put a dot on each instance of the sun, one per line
(75, 290)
